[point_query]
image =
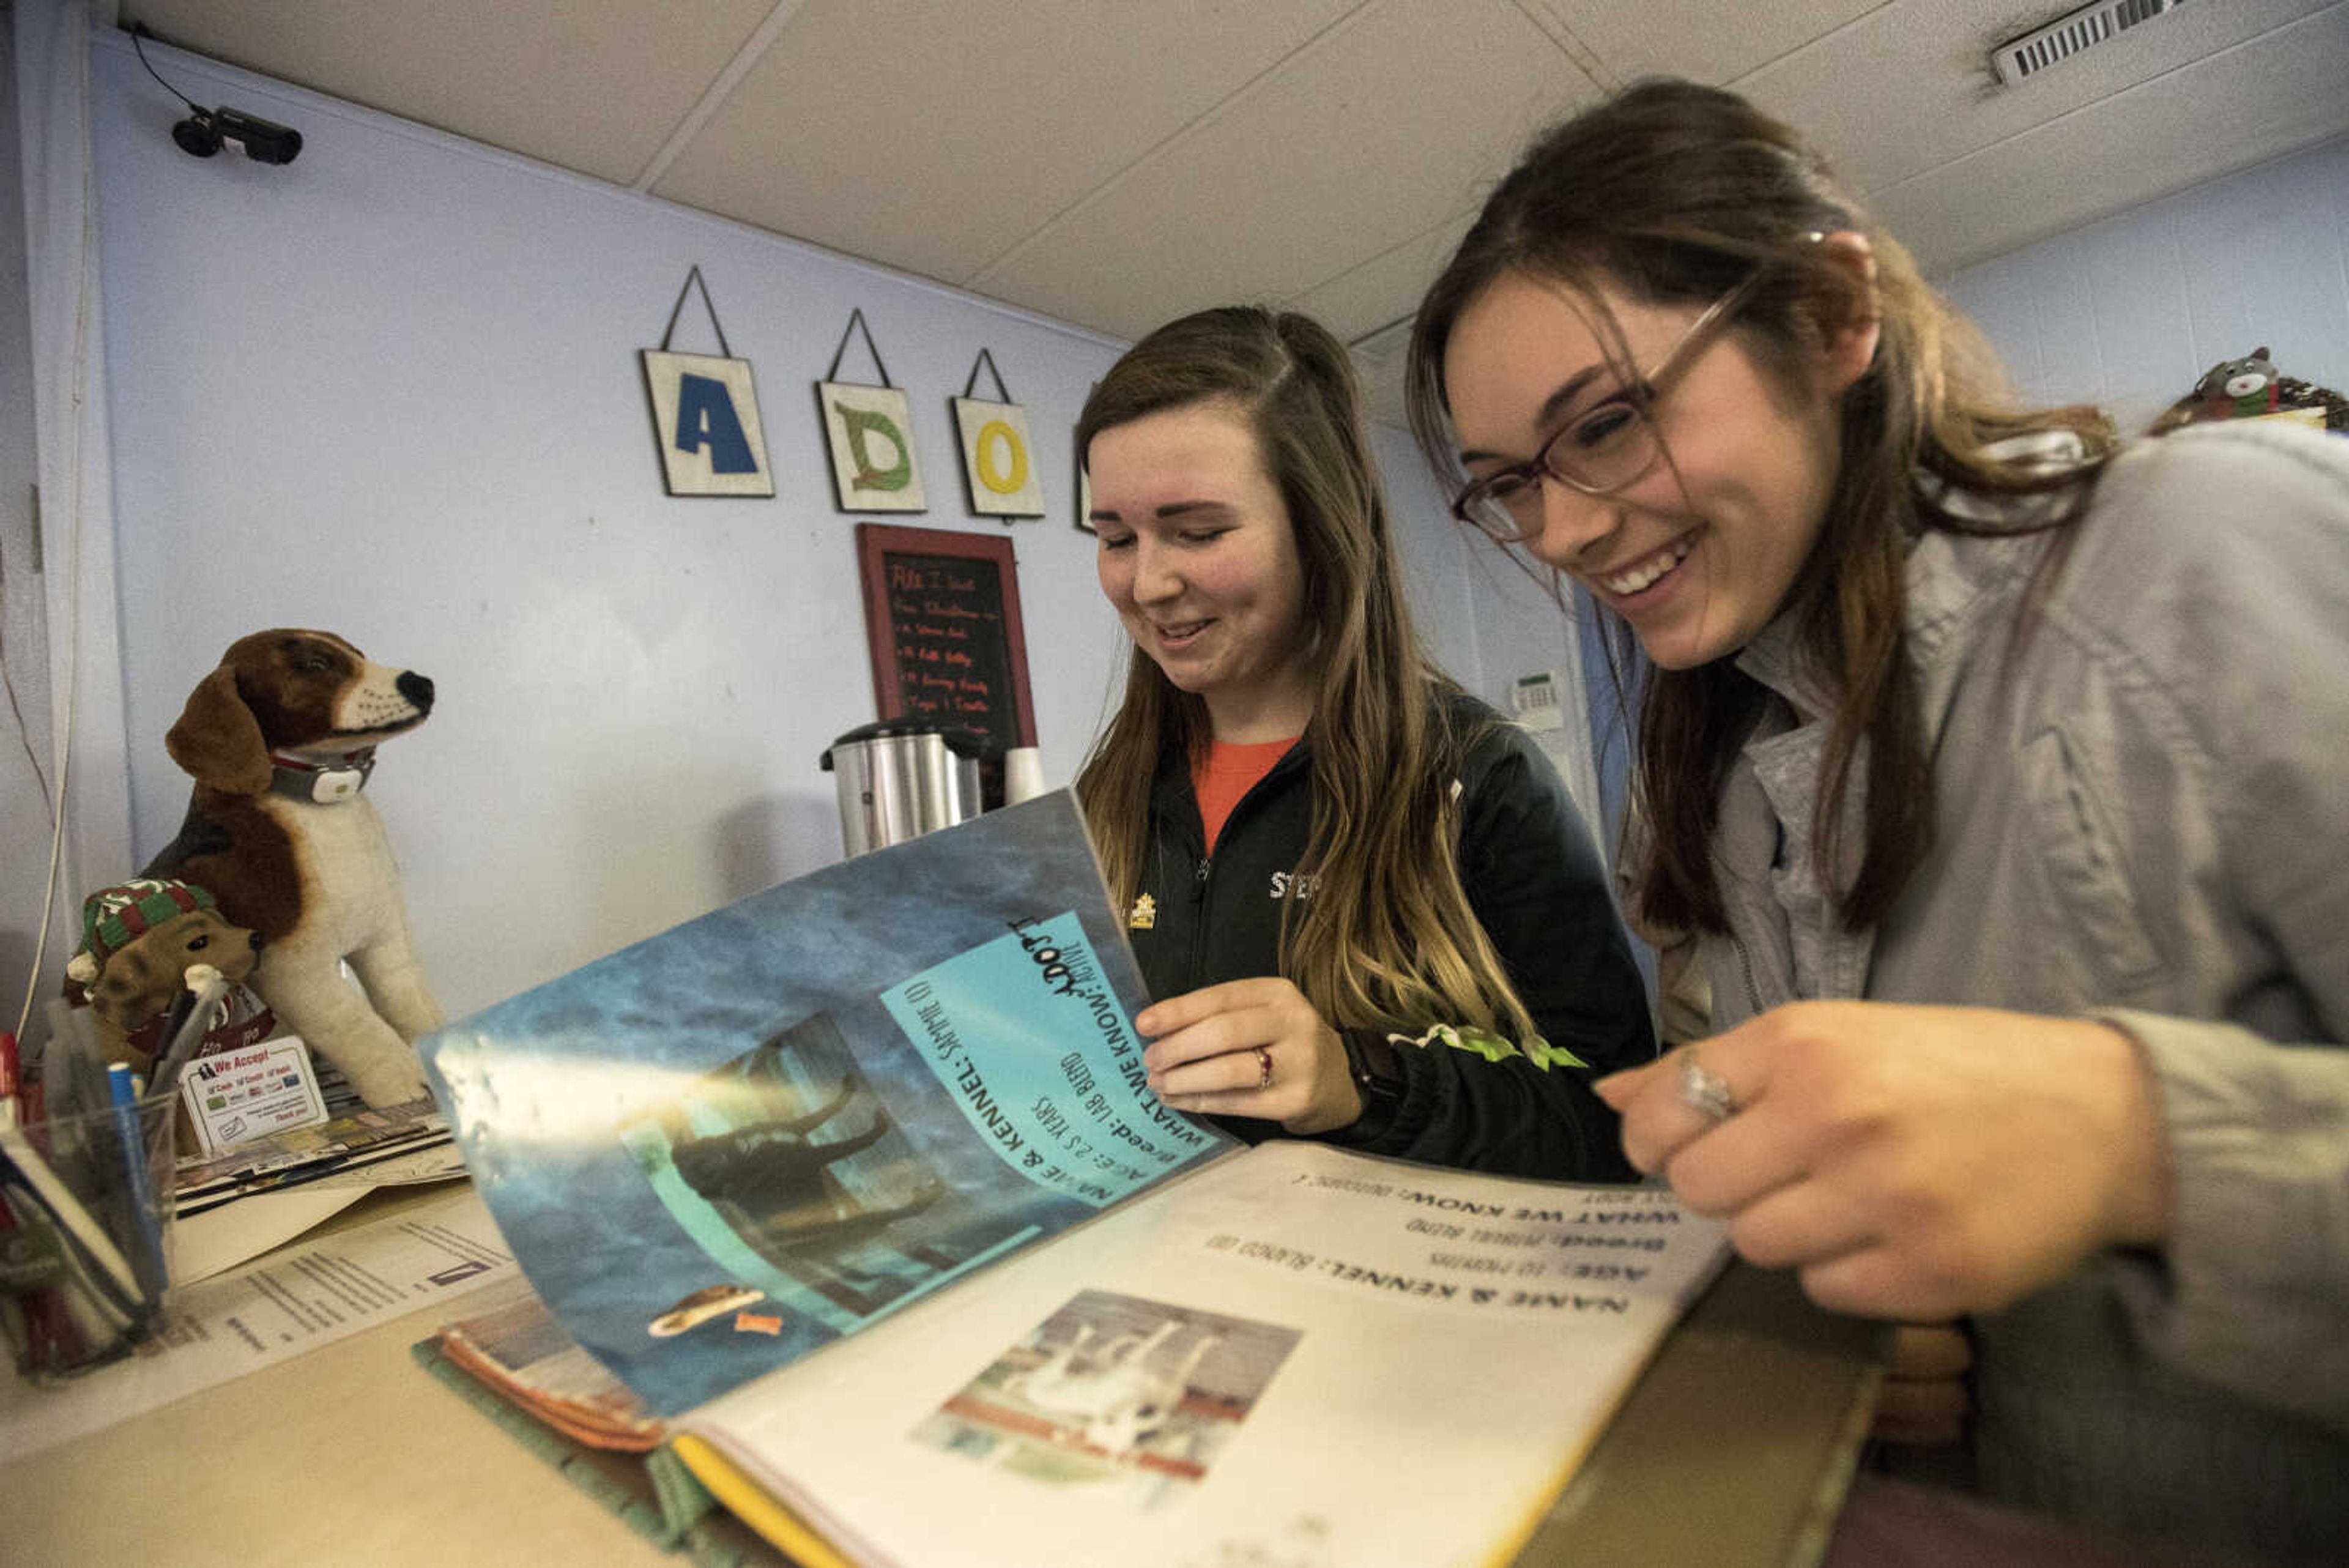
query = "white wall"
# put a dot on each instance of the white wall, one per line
(1485, 622)
(2129, 312)
(1433, 561)
(392, 389)
(24, 781)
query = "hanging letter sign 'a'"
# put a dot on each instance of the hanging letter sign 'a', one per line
(706, 412)
(706, 417)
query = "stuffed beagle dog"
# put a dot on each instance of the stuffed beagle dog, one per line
(281, 740)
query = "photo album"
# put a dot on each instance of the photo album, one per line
(858, 1186)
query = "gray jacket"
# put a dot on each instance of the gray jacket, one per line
(2144, 815)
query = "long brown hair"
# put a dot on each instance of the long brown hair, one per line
(1671, 193)
(1387, 939)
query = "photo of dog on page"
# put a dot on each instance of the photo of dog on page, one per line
(1115, 1391)
(784, 1165)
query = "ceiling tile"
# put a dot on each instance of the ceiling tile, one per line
(936, 138)
(1320, 151)
(1364, 298)
(587, 85)
(1395, 125)
(1910, 87)
(1699, 39)
(1384, 386)
(2259, 101)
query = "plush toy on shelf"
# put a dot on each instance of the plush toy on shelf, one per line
(2252, 387)
(139, 941)
(281, 740)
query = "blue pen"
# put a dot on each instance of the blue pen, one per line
(146, 1257)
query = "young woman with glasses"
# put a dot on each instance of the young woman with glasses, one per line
(1366, 906)
(1994, 768)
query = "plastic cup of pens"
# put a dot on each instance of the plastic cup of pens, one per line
(86, 1238)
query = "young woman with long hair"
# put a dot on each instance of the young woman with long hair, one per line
(1366, 905)
(1993, 768)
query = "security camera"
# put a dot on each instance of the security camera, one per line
(263, 140)
(201, 134)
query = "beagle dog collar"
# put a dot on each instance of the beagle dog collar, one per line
(324, 782)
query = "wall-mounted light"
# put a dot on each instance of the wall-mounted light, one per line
(204, 130)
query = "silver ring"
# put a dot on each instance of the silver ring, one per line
(1704, 1091)
(1264, 1067)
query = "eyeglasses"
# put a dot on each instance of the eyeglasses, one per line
(1599, 453)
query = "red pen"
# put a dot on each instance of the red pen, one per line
(7, 1079)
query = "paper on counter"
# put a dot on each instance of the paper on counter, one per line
(218, 1239)
(291, 1301)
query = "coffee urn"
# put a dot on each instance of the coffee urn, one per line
(900, 778)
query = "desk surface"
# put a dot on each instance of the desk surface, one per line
(349, 1453)
(1733, 1449)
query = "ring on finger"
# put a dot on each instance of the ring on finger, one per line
(1704, 1091)
(1264, 1067)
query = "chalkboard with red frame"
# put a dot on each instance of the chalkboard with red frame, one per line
(942, 618)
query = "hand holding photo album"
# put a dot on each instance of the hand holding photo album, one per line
(894, 1113)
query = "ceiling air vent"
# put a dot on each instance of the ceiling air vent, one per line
(2066, 35)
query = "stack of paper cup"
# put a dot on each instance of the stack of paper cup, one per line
(1023, 774)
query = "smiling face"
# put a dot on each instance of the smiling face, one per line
(1197, 551)
(1699, 553)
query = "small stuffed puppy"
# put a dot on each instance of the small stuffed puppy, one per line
(2252, 387)
(139, 939)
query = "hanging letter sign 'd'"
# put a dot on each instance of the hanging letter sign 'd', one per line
(706, 415)
(869, 429)
(871, 432)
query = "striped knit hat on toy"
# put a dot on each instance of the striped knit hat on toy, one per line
(114, 918)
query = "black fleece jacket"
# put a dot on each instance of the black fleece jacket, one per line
(1533, 880)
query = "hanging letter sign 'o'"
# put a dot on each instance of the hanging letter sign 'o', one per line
(997, 470)
(706, 417)
(999, 458)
